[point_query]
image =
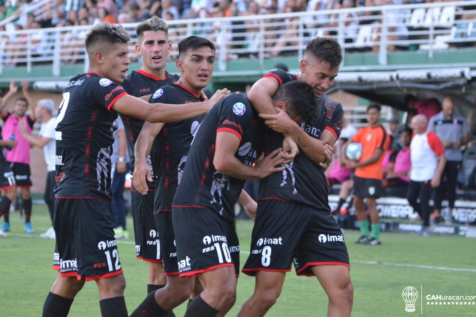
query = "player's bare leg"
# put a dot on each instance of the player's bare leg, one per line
(111, 296)
(335, 279)
(61, 296)
(156, 278)
(67, 287)
(267, 290)
(218, 296)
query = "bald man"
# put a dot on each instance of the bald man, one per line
(453, 133)
(428, 161)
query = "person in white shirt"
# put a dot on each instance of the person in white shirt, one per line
(46, 140)
(428, 162)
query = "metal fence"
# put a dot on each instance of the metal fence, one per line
(382, 29)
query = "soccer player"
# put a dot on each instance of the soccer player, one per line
(46, 141)
(7, 181)
(294, 222)
(368, 173)
(83, 218)
(220, 160)
(153, 47)
(20, 155)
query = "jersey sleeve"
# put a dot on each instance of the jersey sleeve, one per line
(165, 95)
(335, 123)
(126, 84)
(281, 76)
(105, 92)
(435, 143)
(356, 138)
(234, 117)
(386, 140)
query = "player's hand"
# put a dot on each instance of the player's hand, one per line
(203, 96)
(13, 87)
(329, 150)
(10, 143)
(279, 122)
(250, 208)
(24, 85)
(267, 165)
(219, 95)
(290, 149)
(121, 167)
(140, 175)
(435, 182)
(457, 144)
(351, 165)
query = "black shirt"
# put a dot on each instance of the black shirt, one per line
(138, 84)
(171, 146)
(84, 137)
(302, 181)
(202, 186)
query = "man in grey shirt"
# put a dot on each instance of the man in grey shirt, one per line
(452, 130)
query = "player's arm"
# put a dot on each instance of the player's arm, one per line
(249, 205)
(227, 144)
(24, 86)
(13, 89)
(9, 143)
(142, 149)
(435, 182)
(159, 112)
(121, 165)
(39, 141)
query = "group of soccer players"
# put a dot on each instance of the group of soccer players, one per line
(191, 157)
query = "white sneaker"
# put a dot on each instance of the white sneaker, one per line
(49, 234)
(3, 234)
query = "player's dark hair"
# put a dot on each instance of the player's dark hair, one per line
(22, 99)
(193, 43)
(326, 50)
(153, 24)
(374, 106)
(300, 99)
(408, 130)
(108, 33)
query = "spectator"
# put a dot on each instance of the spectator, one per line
(167, 7)
(109, 6)
(73, 5)
(104, 16)
(397, 145)
(46, 141)
(289, 38)
(20, 155)
(428, 161)
(123, 18)
(119, 161)
(452, 130)
(38, 41)
(396, 180)
(83, 13)
(135, 12)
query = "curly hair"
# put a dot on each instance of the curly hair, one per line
(299, 98)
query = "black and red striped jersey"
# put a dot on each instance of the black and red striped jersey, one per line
(171, 146)
(202, 185)
(84, 137)
(140, 83)
(302, 181)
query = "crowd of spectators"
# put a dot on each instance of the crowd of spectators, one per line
(281, 39)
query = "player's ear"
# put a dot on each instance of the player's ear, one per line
(281, 105)
(169, 48)
(99, 57)
(179, 65)
(138, 49)
(303, 66)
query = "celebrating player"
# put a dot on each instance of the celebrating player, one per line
(83, 219)
(293, 222)
(153, 47)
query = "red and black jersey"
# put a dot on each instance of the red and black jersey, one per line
(202, 186)
(84, 137)
(140, 83)
(170, 148)
(302, 181)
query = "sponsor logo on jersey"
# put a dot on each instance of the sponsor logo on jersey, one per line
(173, 255)
(69, 264)
(21, 177)
(59, 160)
(137, 249)
(106, 244)
(75, 83)
(239, 109)
(158, 93)
(268, 241)
(208, 239)
(323, 238)
(104, 82)
(312, 131)
(153, 234)
(151, 242)
(208, 249)
(184, 265)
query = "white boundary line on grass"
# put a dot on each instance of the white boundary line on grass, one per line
(442, 268)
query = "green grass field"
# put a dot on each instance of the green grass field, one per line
(379, 275)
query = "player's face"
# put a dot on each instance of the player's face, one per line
(38, 111)
(20, 108)
(115, 63)
(373, 116)
(448, 107)
(196, 67)
(318, 74)
(406, 138)
(154, 49)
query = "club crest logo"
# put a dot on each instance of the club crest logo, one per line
(158, 93)
(104, 82)
(239, 109)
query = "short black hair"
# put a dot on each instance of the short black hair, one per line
(326, 50)
(408, 130)
(193, 43)
(300, 99)
(108, 33)
(22, 99)
(374, 106)
(153, 24)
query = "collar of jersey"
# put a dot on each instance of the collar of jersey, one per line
(140, 71)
